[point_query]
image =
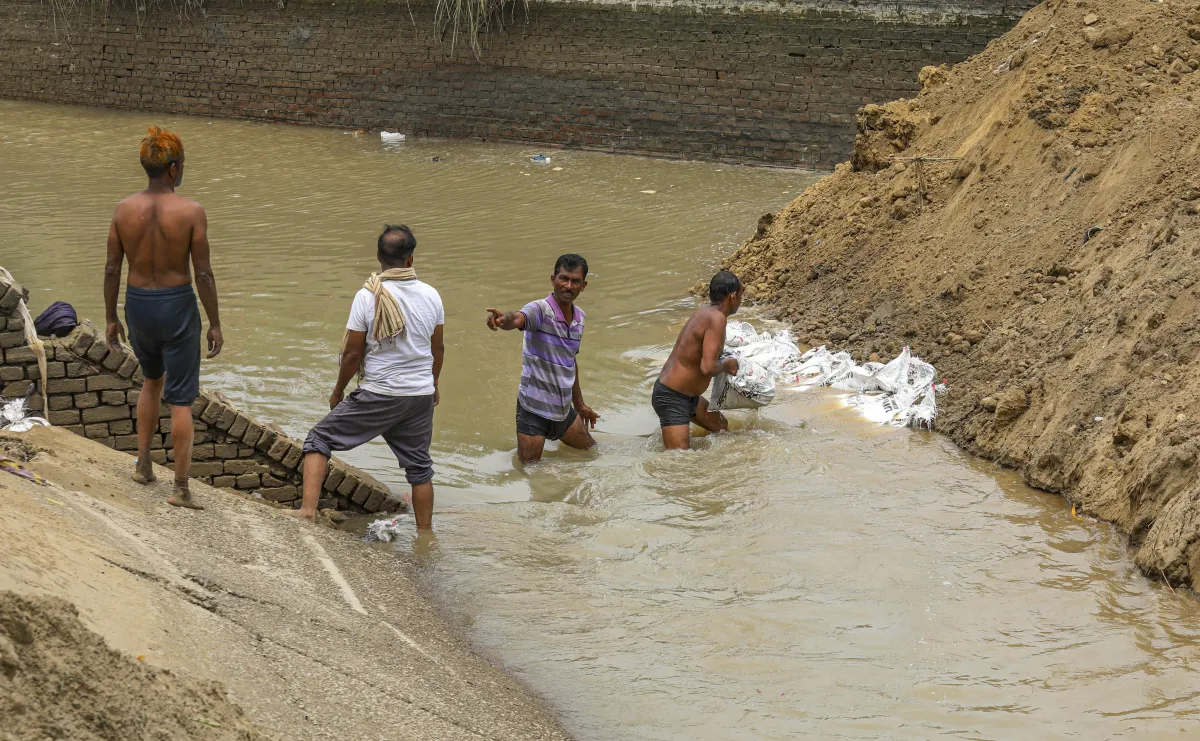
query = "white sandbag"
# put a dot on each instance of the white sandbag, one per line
(739, 334)
(752, 388)
(922, 415)
(900, 392)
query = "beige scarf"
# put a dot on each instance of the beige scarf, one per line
(389, 319)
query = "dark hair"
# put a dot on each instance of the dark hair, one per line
(396, 243)
(723, 284)
(570, 262)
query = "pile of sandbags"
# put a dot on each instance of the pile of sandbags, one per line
(900, 392)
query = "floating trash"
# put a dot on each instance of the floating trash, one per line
(385, 530)
(391, 137)
(649, 192)
(540, 159)
(15, 418)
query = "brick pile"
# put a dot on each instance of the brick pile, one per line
(93, 391)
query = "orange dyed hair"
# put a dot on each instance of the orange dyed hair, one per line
(160, 149)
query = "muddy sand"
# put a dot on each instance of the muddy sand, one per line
(124, 618)
(1031, 224)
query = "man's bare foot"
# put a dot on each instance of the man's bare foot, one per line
(303, 514)
(183, 497)
(143, 473)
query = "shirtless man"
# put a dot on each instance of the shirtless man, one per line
(159, 232)
(694, 360)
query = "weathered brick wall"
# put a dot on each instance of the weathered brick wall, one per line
(93, 391)
(767, 82)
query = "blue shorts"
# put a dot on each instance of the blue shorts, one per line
(164, 329)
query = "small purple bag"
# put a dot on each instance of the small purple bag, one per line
(58, 320)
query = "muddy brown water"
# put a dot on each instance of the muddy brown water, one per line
(807, 575)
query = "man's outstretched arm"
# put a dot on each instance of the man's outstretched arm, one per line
(114, 331)
(206, 283)
(500, 320)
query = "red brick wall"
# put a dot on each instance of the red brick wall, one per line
(769, 86)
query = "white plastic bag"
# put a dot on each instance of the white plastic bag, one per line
(14, 417)
(384, 530)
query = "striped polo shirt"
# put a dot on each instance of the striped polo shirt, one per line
(548, 358)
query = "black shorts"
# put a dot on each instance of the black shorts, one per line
(529, 423)
(673, 408)
(164, 329)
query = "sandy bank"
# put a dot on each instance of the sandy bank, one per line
(1044, 257)
(312, 633)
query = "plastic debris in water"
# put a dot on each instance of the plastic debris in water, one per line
(540, 159)
(385, 530)
(15, 418)
(391, 137)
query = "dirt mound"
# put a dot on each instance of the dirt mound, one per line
(58, 680)
(1030, 224)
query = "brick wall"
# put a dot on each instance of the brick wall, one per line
(93, 391)
(766, 82)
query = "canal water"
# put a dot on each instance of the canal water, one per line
(806, 575)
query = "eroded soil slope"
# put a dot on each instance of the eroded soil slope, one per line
(1044, 257)
(60, 680)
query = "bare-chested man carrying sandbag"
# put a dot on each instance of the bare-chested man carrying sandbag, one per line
(160, 232)
(694, 361)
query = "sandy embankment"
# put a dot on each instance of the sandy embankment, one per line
(312, 633)
(1045, 258)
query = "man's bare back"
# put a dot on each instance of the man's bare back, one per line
(157, 231)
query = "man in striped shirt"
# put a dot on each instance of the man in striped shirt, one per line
(549, 402)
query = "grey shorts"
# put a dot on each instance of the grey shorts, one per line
(164, 329)
(673, 408)
(529, 423)
(404, 422)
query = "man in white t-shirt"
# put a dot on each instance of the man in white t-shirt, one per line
(394, 343)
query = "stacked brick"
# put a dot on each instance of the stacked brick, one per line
(728, 81)
(93, 391)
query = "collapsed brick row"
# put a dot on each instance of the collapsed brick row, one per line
(93, 391)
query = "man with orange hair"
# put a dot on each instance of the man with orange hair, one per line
(160, 232)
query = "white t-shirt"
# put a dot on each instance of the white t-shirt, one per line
(400, 367)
